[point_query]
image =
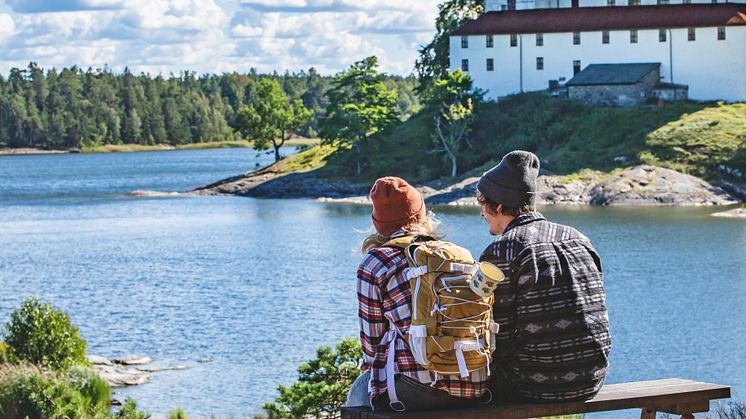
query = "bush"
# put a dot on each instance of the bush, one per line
(129, 411)
(3, 353)
(322, 384)
(27, 391)
(43, 335)
(177, 414)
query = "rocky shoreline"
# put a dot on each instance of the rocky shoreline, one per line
(635, 186)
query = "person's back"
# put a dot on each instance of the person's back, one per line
(554, 340)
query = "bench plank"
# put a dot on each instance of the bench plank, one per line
(677, 396)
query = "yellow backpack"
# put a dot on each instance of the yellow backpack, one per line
(452, 332)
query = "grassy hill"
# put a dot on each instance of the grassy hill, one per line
(695, 138)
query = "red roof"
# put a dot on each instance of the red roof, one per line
(584, 19)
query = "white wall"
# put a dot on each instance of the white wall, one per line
(713, 69)
(493, 5)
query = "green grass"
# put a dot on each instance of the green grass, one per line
(570, 138)
(313, 158)
(126, 148)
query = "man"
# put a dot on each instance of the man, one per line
(553, 343)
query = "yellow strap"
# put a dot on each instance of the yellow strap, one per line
(399, 242)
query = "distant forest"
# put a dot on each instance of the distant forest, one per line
(72, 108)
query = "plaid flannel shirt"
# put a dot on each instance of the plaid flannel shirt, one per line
(384, 297)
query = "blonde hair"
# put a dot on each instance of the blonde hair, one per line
(429, 227)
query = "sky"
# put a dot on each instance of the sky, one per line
(214, 36)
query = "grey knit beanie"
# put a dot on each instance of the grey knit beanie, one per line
(513, 181)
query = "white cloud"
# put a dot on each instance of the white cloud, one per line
(163, 36)
(7, 26)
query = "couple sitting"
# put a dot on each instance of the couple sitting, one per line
(553, 340)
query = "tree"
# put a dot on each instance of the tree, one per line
(271, 117)
(360, 106)
(453, 99)
(434, 60)
(322, 384)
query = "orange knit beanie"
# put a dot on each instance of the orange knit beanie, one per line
(395, 205)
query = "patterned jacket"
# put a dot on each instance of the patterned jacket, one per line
(554, 337)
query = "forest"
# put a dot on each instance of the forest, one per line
(72, 108)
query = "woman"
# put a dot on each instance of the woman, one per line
(385, 301)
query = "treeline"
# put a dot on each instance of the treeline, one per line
(72, 108)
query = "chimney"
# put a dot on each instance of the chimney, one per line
(491, 6)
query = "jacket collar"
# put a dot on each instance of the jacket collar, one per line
(524, 219)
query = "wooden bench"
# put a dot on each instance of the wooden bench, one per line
(675, 396)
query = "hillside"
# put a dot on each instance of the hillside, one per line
(707, 140)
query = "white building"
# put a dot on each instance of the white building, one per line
(519, 45)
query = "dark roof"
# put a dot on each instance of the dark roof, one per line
(601, 74)
(581, 19)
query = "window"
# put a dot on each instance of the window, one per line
(611, 2)
(661, 35)
(576, 38)
(721, 34)
(633, 36)
(714, 1)
(464, 41)
(513, 40)
(464, 65)
(490, 41)
(575, 67)
(605, 37)
(691, 35)
(634, 2)
(539, 39)
(661, 2)
(490, 64)
(539, 63)
(687, 1)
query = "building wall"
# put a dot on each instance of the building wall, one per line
(616, 95)
(713, 69)
(498, 5)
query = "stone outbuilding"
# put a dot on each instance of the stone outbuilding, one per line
(615, 84)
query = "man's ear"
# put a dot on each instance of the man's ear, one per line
(499, 209)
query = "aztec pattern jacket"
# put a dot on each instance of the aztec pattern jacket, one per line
(554, 340)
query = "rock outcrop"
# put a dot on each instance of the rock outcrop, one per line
(269, 184)
(640, 185)
(734, 213)
(650, 185)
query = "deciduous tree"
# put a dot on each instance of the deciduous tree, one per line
(271, 117)
(434, 60)
(453, 99)
(360, 106)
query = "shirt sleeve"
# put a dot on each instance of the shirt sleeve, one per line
(370, 306)
(504, 306)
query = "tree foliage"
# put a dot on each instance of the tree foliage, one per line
(453, 100)
(433, 62)
(75, 108)
(360, 107)
(271, 117)
(322, 386)
(43, 335)
(31, 392)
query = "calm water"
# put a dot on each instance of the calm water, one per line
(257, 285)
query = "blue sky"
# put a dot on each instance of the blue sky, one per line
(214, 36)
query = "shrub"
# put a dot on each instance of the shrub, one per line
(27, 391)
(3, 353)
(129, 411)
(322, 384)
(43, 335)
(177, 414)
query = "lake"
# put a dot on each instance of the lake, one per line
(256, 285)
